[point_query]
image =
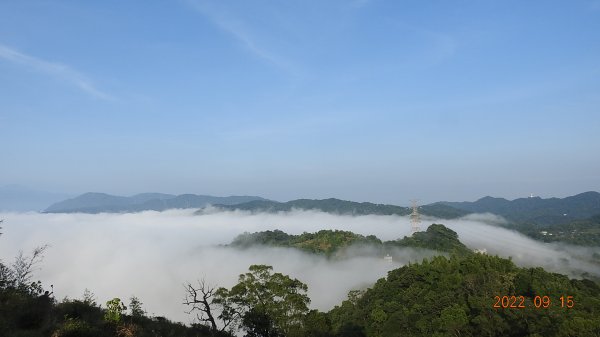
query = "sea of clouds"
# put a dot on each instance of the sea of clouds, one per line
(153, 254)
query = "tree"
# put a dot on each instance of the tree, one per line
(18, 275)
(262, 303)
(23, 268)
(259, 324)
(317, 324)
(135, 307)
(453, 318)
(206, 301)
(261, 292)
(89, 298)
(114, 310)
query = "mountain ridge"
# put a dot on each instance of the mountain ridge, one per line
(94, 202)
(536, 210)
(338, 206)
(435, 237)
(532, 210)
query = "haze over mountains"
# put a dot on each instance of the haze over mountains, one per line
(533, 210)
(20, 198)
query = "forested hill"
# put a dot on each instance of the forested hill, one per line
(579, 232)
(536, 210)
(101, 202)
(437, 237)
(456, 297)
(333, 242)
(448, 296)
(325, 242)
(338, 206)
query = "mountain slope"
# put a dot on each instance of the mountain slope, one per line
(437, 237)
(325, 242)
(579, 232)
(536, 210)
(101, 202)
(338, 206)
(456, 297)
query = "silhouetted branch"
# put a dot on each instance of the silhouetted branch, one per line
(24, 266)
(201, 300)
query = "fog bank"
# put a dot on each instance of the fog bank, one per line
(151, 254)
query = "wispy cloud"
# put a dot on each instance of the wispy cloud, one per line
(57, 70)
(236, 28)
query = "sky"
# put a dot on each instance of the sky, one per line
(365, 100)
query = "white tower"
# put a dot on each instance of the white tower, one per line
(415, 218)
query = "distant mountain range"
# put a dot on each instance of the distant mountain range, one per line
(101, 202)
(536, 210)
(338, 206)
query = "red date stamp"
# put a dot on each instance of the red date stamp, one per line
(539, 302)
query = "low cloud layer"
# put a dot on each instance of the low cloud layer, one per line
(152, 254)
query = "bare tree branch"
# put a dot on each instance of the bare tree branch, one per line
(201, 300)
(24, 266)
(206, 301)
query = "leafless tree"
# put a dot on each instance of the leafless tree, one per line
(24, 266)
(209, 306)
(201, 299)
(20, 273)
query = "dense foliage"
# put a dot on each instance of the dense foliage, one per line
(270, 304)
(333, 242)
(580, 232)
(436, 237)
(452, 296)
(324, 242)
(27, 310)
(32, 313)
(455, 297)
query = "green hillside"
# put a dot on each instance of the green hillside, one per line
(456, 297)
(536, 210)
(322, 242)
(580, 232)
(337, 206)
(437, 237)
(106, 203)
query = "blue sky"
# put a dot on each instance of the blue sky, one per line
(374, 100)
